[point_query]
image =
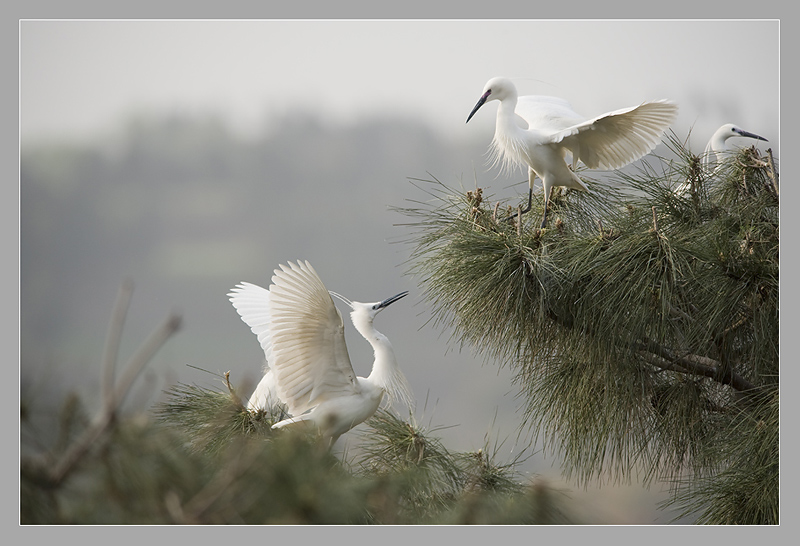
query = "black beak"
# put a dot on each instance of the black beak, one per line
(480, 103)
(752, 135)
(388, 301)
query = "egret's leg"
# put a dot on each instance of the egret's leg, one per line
(531, 178)
(546, 202)
(544, 218)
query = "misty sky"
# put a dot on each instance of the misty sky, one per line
(78, 78)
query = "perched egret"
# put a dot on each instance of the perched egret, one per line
(715, 149)
(537, 131)
(718, 143)
(302, 334)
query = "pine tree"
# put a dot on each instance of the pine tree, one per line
(641, 323)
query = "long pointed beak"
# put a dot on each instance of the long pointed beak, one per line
(477, 106)
(388, 301)
(752, 135)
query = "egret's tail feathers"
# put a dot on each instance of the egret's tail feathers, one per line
(304, 419)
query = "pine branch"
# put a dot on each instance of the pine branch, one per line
(666, 359)
(698, 365)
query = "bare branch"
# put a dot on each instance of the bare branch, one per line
(55, 474)
(772, 172)
(235, 397)
(113, 340)
(140, 359)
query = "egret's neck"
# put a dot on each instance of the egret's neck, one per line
(506, 116)
(385, 361)
(714, 152)
(508, 148)
(717, 144)
(385, 372)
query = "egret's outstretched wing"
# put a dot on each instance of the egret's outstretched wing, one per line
(309, 355)
(547, 115)
(615, 139)
(252, 304)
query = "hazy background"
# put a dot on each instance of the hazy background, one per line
(188, 156)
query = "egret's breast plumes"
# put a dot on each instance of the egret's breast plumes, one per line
(397, 389)
(508, 151)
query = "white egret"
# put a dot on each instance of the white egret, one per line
(715, 149)
(537, 131)
(302, 335)
(717, 144)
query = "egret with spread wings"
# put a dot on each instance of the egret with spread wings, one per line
(302, 334)
(538, 131)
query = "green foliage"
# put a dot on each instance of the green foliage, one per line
(212, 419)
(429, 484)
(203, 458)
(745, 490)
(642, 323)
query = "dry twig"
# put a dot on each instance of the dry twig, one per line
(56, 473)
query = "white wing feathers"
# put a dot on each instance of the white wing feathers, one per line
(252, 304)
(615, 139)
(546, 114)
(608, 141)
(308, 355)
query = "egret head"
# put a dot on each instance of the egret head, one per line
(363, 314)
(730, 130)
(718, 143)
(495, 89)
